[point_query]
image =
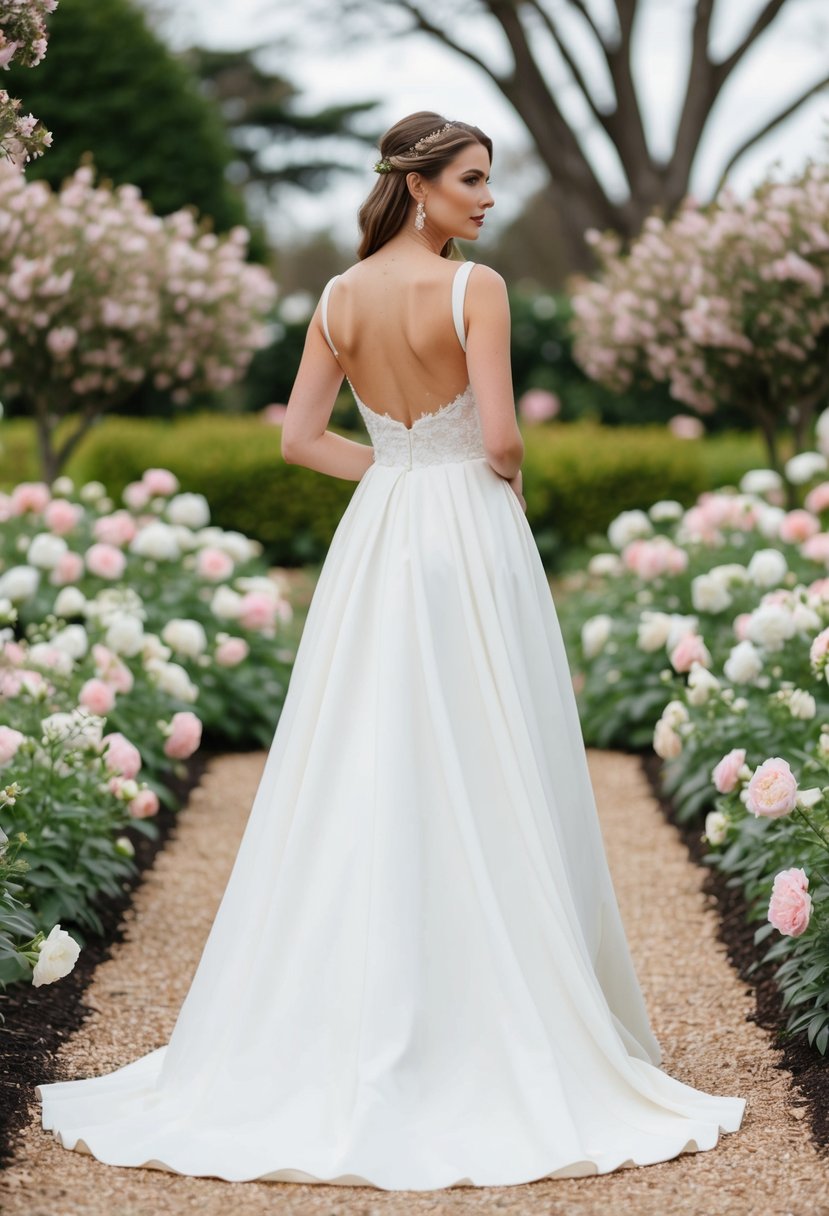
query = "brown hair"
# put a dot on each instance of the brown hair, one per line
(382, 214)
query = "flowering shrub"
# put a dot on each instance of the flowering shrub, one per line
(713, 643)
(124, 633)
(22, 38)
(728, 304)
(98, 294)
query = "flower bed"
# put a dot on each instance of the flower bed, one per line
(127, 633)
(706, 632)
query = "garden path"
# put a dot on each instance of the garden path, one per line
(698, 1006)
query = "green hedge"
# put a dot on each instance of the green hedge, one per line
(577, 476)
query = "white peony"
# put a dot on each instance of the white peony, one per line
(125, 634)
(744, 663)
(56, 956)
(701, 683)
(805, 619)
(602, 564)
(52, 658)
(171, 678)
(191, 510)
(716, 827)
(802, 704)
(75, 728)
(709, 593)
(770, 626)
(158, 541)
(226, 603)
(768, 521)
(153, 648)
(72, 639)
(767, 567)
(804, 466)
(46, 550)
(594, 634)
(185, 636)
(238, 546)
(675, 713)
(627, 526)
(19, 583)
(730, 572)
(666, 510)
(62, 487)
(70, 601)
(760, 481)
(666, 742)
(92, 491)
(653, 629)
(185, 538)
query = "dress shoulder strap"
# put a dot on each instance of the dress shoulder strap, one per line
(458, 294)
(326, 291)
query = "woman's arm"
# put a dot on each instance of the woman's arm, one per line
(490, 372)
(305, 439)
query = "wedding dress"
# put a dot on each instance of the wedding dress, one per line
(417, 976)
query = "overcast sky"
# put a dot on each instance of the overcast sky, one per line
(417, 73)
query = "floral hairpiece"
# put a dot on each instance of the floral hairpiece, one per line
(385, 166)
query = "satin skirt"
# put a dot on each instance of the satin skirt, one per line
(418, 976)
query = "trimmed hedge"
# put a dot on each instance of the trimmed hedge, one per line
(577, 476)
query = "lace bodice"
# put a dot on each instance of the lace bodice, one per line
(446, 435)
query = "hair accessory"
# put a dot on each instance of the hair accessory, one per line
(383, 166)
(423, 143)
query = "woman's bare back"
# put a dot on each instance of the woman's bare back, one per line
(390, 321)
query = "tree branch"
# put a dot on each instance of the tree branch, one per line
(423, 23)
(769, 126)
(762, 21)
(548, 20)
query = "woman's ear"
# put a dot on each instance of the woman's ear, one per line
(415, 183)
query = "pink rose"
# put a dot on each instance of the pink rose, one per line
(231, 651)
(136, 495)
(10, 740)
(818, 497)
(116, 529)
(30, 496)
(689, 649)
(741, 624)
(14, 653)
(818, 650)
(69, 569)
(121, 756)
(726, 773)
(144, 803)
(111, 668)
(184, 737)
(97, 697)
(797, 526)
(214, 564)
(790, 905)
(160, 481)
(105, 561)
(772, 790)
(61, 516)
(816, 548)
(257, 610)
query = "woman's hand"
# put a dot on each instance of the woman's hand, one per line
(516, 484)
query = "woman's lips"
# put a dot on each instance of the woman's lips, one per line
(477, 219)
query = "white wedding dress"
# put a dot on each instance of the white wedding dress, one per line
(418, 976)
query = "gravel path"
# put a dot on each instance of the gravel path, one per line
(698, 1005)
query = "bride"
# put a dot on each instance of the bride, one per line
(418, 976)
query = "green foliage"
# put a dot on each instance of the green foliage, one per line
(109, 86)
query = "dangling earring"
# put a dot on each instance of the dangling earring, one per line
(420, 215)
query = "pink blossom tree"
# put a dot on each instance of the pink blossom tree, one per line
(22, 38)
(728, 303)
(98, 294)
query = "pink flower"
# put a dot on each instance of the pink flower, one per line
(111, 668)
(61, 516)
(10, 740)
(121, 756)
(184, 737)
(61, 340)
(97, 697)
(116, 529)
(136, 495)
(818, 497)
(68, 569)
(144, 803)
(105, 561)
(689, 649)
(214, 564)
(726, 773)
(816, 547)
(741, 624)
(772, 790)
(30, 496)
(797, 526)
(790, 906)
(538, 405)
(160, 481)
(257, 610)
(13, 653)
(231, 651)
(686, 426)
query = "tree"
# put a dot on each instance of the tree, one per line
(109, 86)
(529, 30)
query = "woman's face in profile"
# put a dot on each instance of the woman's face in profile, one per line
(458, 199)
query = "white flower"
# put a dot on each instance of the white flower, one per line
(53, 658)
(56, 956)
(770, 626)
(92, 491)
(238, 546)
(760, 481)
(602, 564)
(185, 538)
(185, 636)
(767, 567)
(69, 601)
(675, 713)
(46, 550)
(191, 510)
(19, 583)
(744, 664)
(124, 845)
(804, 466)
(666, 742)
(73, 640)
(716, 827)
(805, 619)
(701, 683)
(730, 572)
(627, 526)
(709, 593)
(768, 521)
(226, 603)
(802, 704)
(806, 799)
(594, 634)
(653, 629)
(62, 487)
(76, 728)
(158, 541)
(172, 679)
(680, 625)
(125, 634)
(666, 510)
(153, 648)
